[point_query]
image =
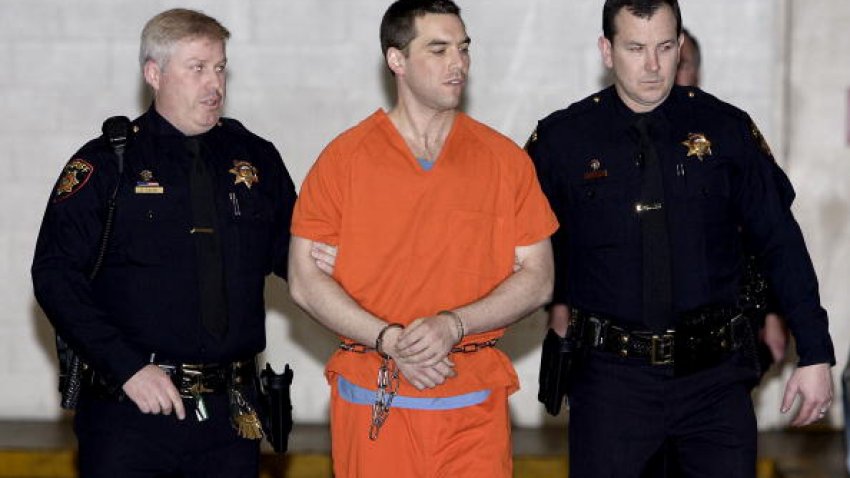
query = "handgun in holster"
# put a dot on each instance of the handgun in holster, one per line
(276, 406)
(557, 361)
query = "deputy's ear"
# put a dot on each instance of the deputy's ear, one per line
(605, 48)
(152, 74)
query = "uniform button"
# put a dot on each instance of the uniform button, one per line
(590, 193)
(202, 349)
(149, 215)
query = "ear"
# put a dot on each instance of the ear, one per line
(152, 74)
(605, 48)
(395, 61)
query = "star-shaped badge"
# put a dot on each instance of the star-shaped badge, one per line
(245, 173)
(698, 145)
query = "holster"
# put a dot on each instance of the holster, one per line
(70, 374)
(557, 360)
(276, 406)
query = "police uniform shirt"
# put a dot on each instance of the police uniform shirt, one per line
(719, 179)
(145, 298)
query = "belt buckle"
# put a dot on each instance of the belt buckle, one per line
(661, 350)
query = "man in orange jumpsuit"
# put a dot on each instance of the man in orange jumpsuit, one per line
(443, 241)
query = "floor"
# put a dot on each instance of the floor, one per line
(46, 449)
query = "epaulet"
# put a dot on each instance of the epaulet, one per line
(233, 126)
(698, 97)
(584, 106)
(587, 105)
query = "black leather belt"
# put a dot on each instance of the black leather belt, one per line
(701, 339)
(189, 379)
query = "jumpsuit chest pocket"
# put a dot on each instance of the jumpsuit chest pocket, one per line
(477, 242)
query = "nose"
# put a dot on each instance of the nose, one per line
(215, 79)
(651, 62)
(456, 59)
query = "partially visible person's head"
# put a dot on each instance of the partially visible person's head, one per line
(183, 60)
(690, 61)
(427, 50)
(640, 45)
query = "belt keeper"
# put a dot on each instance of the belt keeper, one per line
(379, 342)
(458, 323)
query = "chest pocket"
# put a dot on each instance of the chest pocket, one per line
(478, 242)
(148, 229)
(252, 214)
(600, 211)
(710, 191)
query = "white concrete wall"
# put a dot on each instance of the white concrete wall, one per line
(301, 71)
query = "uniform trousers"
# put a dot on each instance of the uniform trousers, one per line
(117, 440)
(624, 410)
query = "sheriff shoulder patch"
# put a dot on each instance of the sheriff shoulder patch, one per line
(73, 178)
(762, 143)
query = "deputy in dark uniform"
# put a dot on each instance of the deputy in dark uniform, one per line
(652, 184)
(171, 323)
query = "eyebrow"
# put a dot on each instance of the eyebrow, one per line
(466, 41)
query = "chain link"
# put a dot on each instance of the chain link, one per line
(388, 383)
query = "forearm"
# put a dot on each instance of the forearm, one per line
(325, 300)
(523, 292)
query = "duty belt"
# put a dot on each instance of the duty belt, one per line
(701, 340)
(189, 379)
(466, 348)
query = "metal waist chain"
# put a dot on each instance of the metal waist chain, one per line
(388, 383)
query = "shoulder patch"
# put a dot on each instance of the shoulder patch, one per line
(74, 177)
(760, 141)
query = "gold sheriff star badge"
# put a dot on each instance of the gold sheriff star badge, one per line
(698, 145)
(245, 173)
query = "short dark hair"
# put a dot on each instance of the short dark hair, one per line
(697, 51)
(398, 27)
(638, 8)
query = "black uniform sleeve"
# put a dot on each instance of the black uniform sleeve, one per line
(765, 201)
(65, 252)
(545, 165)
(283, 216)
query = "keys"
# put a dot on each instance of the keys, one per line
(243, 416)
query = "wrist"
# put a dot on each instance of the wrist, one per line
(459, 328)
(381, 341)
